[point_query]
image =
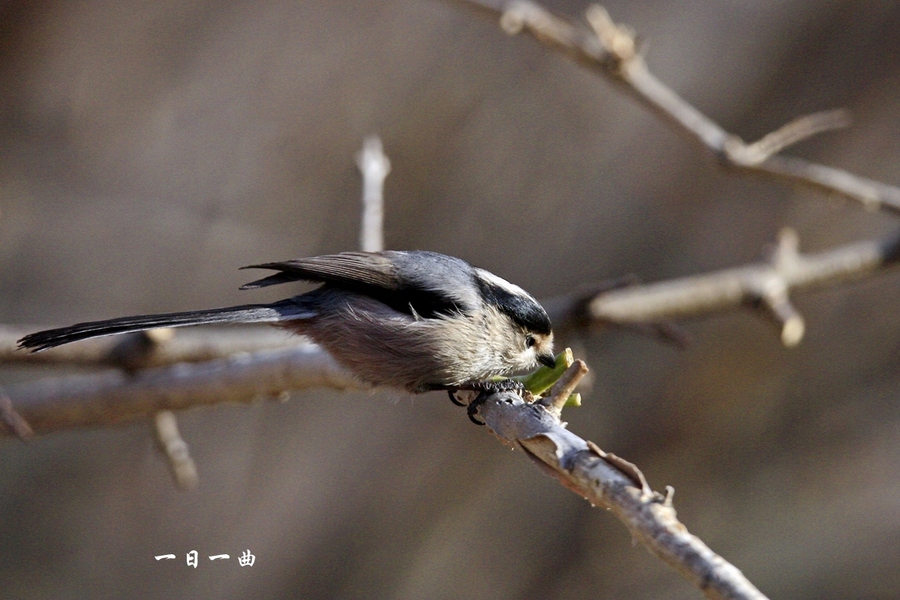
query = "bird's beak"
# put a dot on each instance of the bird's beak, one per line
(548, 360)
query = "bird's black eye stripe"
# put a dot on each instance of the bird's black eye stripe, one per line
(522, 309)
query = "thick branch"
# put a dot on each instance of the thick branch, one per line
(607, 481)
(113, 397)
(611, 49)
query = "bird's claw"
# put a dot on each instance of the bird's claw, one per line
(485, 389)
(452, 394)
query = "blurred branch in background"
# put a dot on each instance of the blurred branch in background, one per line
(374, 166)
(764, 286)
(176, 450)
(12, 420)
(612, 50)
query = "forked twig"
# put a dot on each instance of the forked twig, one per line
(612, 50)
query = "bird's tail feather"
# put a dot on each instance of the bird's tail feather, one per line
(248, 313)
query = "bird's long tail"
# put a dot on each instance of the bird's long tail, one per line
(286, 310)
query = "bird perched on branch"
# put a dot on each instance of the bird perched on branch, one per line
(414, 320)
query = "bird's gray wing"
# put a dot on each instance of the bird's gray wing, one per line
(425, 283)
(348, 268)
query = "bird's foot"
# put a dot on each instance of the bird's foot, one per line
(485, 389)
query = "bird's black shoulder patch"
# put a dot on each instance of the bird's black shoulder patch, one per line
(411, 300)
(428, 284)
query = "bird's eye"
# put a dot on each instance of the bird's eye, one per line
(530, 341)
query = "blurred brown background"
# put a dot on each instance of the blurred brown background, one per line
(148, 150)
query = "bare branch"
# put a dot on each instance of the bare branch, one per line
(186, 345)
(176, 450)
(12, 420)
(764, 285)
(797, 130)
(611, 482)
(113, 397)
(612, 50)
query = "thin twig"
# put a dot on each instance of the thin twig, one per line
(134, 352)
(14, 422)
(797, 130)
(374, 166)
(177, 452)
(612, 50)
(602, 480)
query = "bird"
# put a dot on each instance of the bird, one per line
(414, 320)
